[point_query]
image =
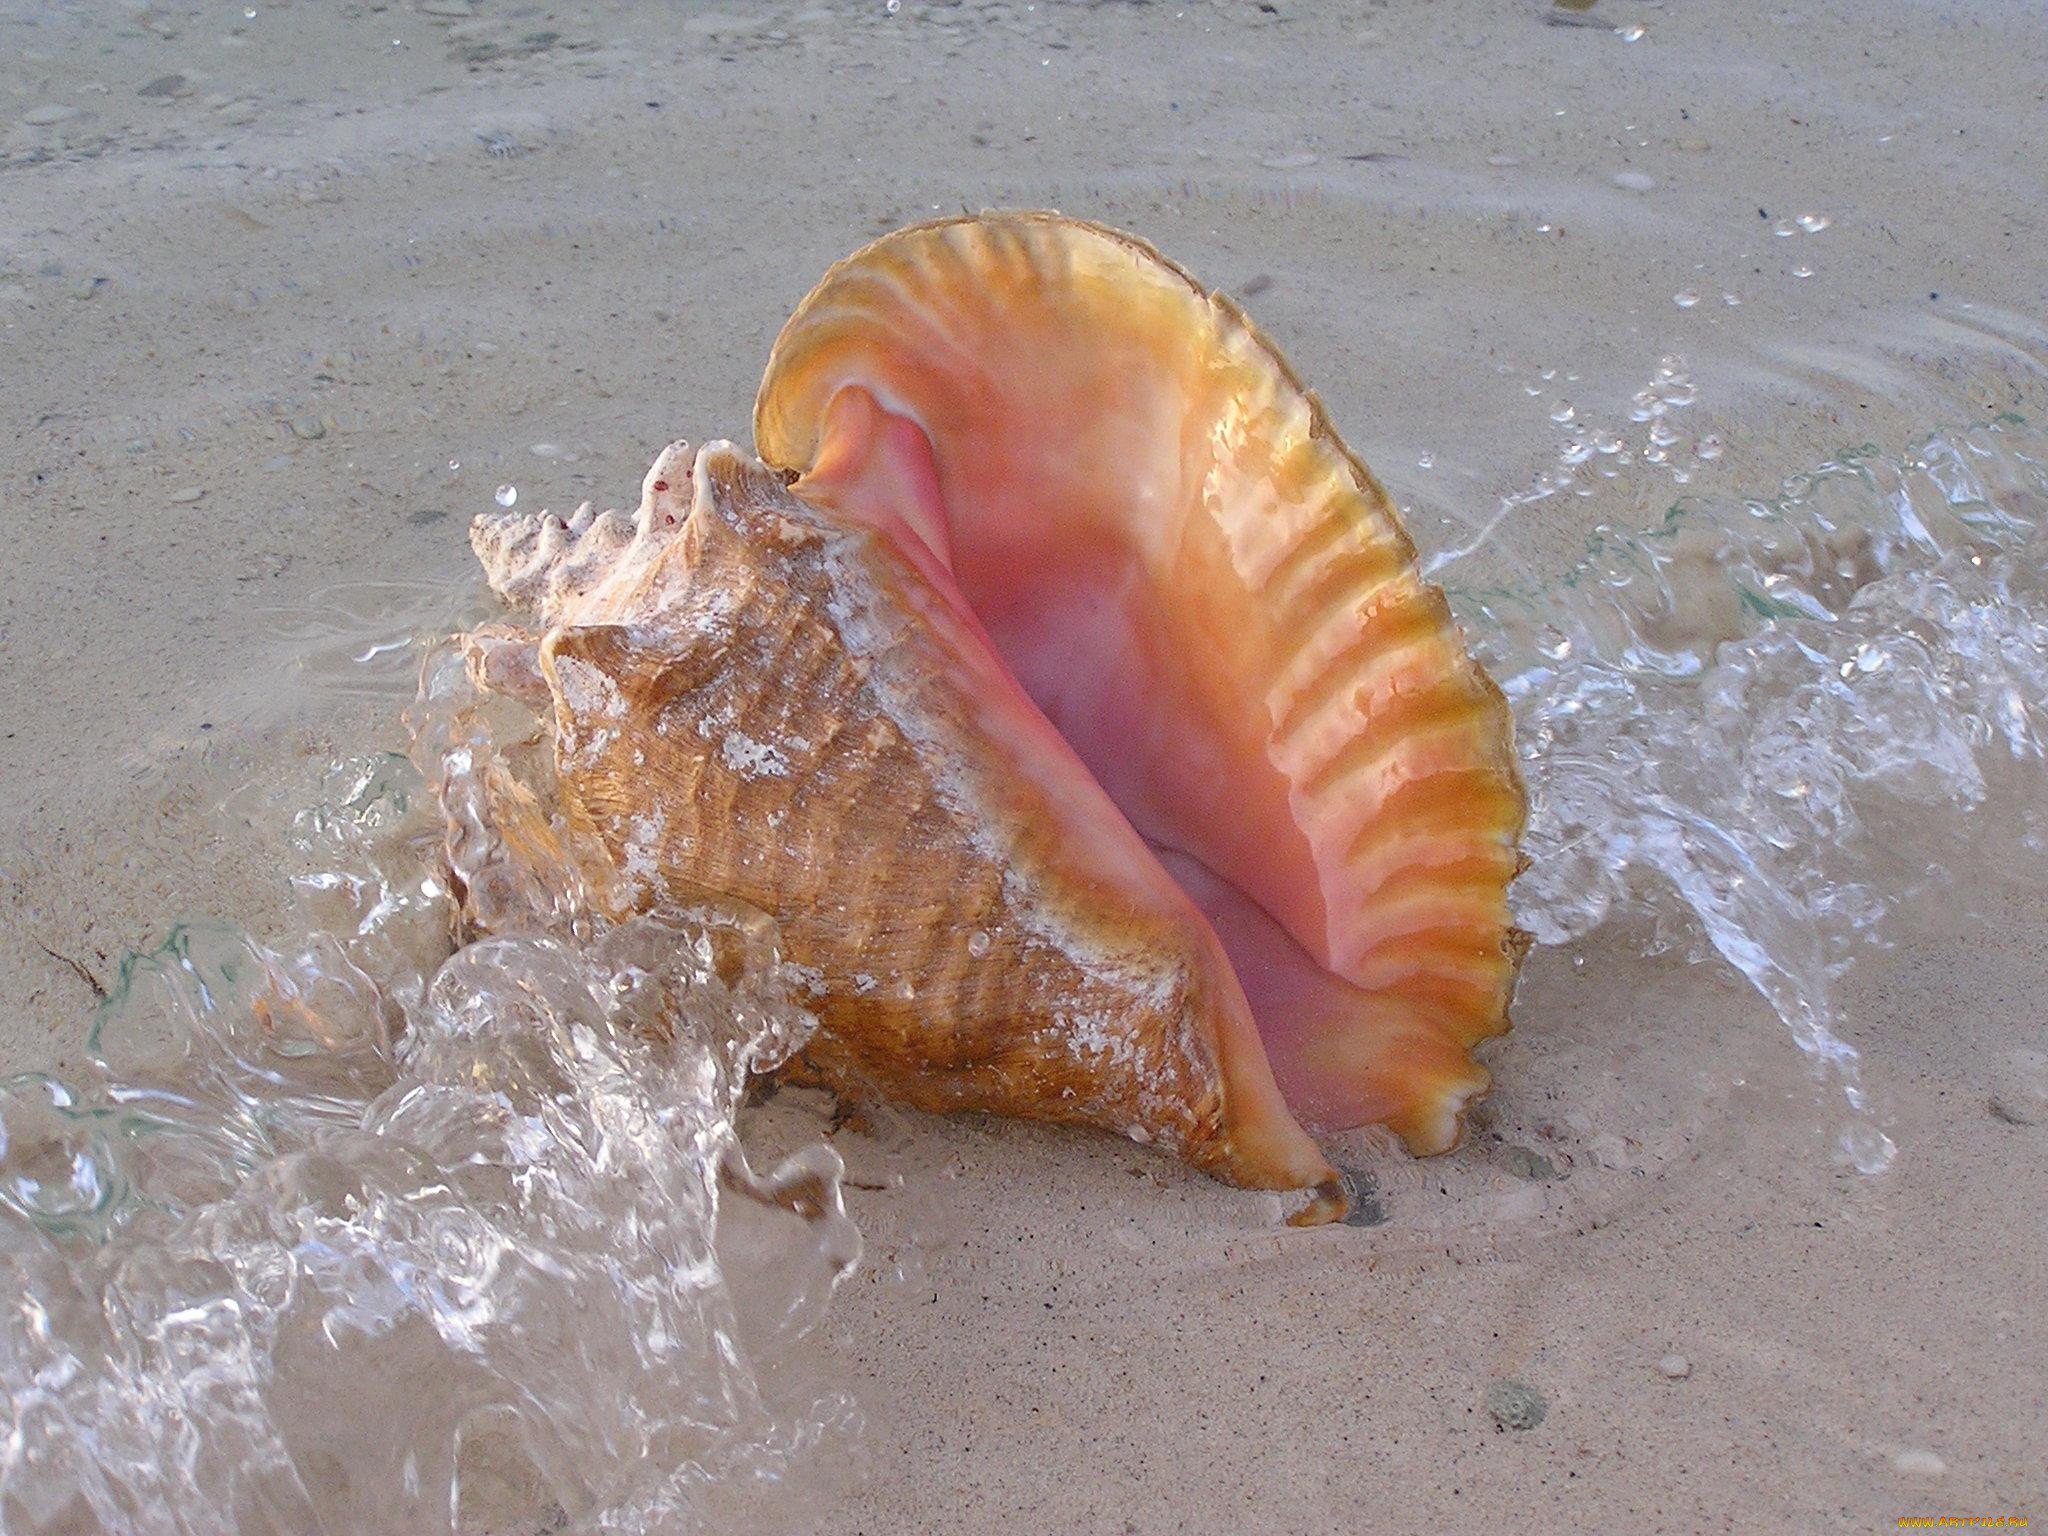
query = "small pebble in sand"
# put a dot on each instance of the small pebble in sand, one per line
(1528, 1163)
(1919, 1464)
(185, 495)
(1675, 1367)
(1515, 1405)
(1635, 181)
(1366, 1209)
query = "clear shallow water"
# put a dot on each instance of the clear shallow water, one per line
(398, 1239)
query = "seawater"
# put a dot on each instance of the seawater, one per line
(408, 1231)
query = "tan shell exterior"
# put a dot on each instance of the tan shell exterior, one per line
(751, 701)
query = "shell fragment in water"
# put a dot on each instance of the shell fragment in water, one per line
(1068, 693)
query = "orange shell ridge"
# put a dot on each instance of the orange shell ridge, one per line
(1119, 486)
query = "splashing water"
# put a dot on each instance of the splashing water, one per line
(378, 1244)
(1739, 718)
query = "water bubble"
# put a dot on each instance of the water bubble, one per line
(1633, 34)
(1563, 412)
(1732, 300)
(978, 944)
(1427, 461)
(1710, 447)
(1802, 271)
(1814, 223)
(249, 13)
(893, 6)
(454, 465)
(1685, 298)
(1868, 1149)
(505, 495)
(1782, 230)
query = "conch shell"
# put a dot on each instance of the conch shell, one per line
(1068, 693)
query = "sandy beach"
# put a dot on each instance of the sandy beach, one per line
(289, 291)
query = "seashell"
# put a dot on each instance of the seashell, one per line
(1069, 694)
(1214, 602)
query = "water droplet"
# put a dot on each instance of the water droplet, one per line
(1919, 1464)
(1814, 223)
(1427, 461)
(1732, 300)
(1802, 271)
(1563, 412)
(1631, 34)
(893, 6)
(978, 944)
(1710, 446)
(1782, 230)
(506, 495)
(249, 13)
(1685, 298)
(546, 450)
(1634, 181)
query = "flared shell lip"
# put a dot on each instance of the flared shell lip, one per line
(1516, 942)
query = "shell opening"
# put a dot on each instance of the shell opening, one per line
(1122, 488)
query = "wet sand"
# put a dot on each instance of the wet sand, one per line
(284, 298)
